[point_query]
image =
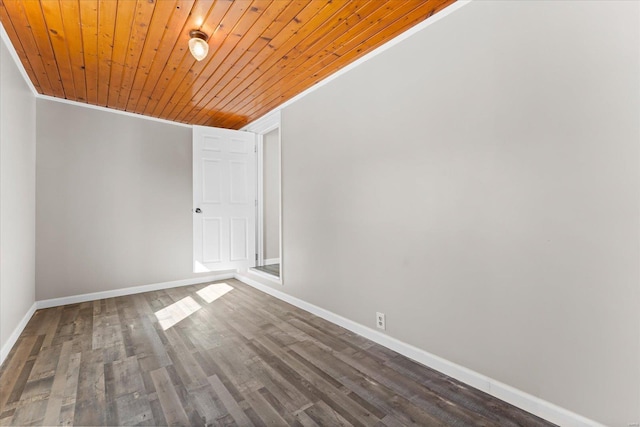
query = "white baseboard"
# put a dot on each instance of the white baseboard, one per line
(13, 338)
(74, 299)
(272, 261)
(511, 395)
(518, 398)
(267, 276)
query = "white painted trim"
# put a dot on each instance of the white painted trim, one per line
(267, 276)
(411, 31)
(259, 199)
(518, 398)
(264, 124)
(12, 51)
(111, 110)
(74, 299)
(5, 37)
(13, 338)
(272, 115)
(261, 127)
(272, 261)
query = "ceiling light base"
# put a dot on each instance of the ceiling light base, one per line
(198, 44)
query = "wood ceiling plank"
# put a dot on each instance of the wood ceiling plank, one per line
(326, 25)
(345, 50)
(200, 13)
(139, 29)
(70, 13)
(35, 18)
(107, 11)
(157, 28)
(124, 20)
(361, 38)
(16, 42)
(367, 39)
(133, 54)
(27, 39)
(241, 14)
(301, 26)
(60, 46)
(89, 26)
(175, 28)
(304, 54)
(325, 22)
(224, 66)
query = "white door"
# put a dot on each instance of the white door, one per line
(224, 194)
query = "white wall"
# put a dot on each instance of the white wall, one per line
(479, 184)
(17, 197)
(271, 194)
(113, 201)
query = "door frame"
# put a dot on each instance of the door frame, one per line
(261, 127)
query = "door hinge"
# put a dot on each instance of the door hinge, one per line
(256, 257)
(255, 148)
(256, 204)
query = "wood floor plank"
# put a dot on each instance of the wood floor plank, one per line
(45, 322)
(281, 389)
(325, 415)
(305, 420)
(91, 404)
(14, 366)
(54, 403)
(327, 390)
(169, 400)
(365, 388)
(496, 411)
(242, 358)
(279, 405)
(30, 413)
(229, 402)
(266, 411)
(133, 409)
(207, 405)
(69, 396)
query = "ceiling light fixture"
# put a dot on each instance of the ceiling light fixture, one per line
(198, 44)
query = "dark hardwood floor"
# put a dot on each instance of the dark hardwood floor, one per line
(237, 357)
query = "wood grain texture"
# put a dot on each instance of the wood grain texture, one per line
(244, 358)
(132, 55)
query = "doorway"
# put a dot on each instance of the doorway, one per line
(268, 225)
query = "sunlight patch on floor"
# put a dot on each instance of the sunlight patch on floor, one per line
(214, 291)
(176, 312)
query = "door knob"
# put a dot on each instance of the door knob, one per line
(198, 210)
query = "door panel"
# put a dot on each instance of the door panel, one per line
(239, 182)
(239, 239)
(224, 173)
(211, 237)
(211, 181)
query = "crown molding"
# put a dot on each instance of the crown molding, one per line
(12, 51)
(380, 49)
(111, 110)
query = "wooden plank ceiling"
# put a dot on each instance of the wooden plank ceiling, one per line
(133, 55)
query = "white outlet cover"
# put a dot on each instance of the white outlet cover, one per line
(381, 321)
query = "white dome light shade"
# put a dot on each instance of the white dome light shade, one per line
(198, 44)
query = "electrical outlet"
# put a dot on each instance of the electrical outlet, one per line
(381, 322)
(634, 424)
